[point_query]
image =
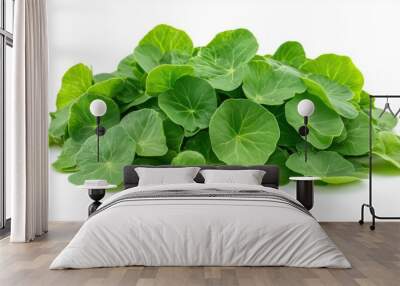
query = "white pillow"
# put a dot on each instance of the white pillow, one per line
(166, 176)
(246, 177)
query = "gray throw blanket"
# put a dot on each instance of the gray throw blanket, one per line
(205, 194)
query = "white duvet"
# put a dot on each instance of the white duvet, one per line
(200, 231)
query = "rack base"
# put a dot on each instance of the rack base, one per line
(374, 216)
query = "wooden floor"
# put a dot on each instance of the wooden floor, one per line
(375, 257)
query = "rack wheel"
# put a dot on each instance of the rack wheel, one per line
(372, 227)
(361, 222)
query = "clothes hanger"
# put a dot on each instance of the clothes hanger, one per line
(397, 113)
(387, 107)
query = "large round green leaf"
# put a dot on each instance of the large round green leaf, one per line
(163, 45)
(324, 124)
(66, 161)
(223, 61)
(356, 142)
(291, 53)
(188, 158)
(163, 77)
(82, 124)
(202, 144)
(75, 82)
(328, 165)
(243, 132)
(145, 126)
(117, 149)
(271, 86)
(387, 147)
(333, 94)
(190, 103)
(340, 69)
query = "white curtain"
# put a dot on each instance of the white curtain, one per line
(28, 163)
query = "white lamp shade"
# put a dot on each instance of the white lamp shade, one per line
(98, 107)
(305, 108)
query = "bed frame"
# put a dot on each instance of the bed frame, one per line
(270, 179)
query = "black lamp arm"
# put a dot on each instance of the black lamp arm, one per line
(100, 131)
(303, 131)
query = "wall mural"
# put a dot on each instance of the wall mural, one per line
(172, 103)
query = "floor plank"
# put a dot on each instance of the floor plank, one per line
(375, 257)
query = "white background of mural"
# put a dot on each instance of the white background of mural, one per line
(101, 32)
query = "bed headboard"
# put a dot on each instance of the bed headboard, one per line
(270, 179)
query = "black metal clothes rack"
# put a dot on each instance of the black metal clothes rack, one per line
(370, 203)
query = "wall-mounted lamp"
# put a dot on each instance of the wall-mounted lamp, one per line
(305, 108)
(98, 108)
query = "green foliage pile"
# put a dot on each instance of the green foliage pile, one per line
(172, 103)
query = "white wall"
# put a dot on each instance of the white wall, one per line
(101, 32)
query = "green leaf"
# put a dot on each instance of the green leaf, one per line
(290, 53)
(117, 149)
(190, 103)
(202, 144)
(108, 87)
(163, 77)
(324, 124)
(58, 124)
(340, 180)
(223, 61)
(127, 65)
(279, 158)
(341, 137)
(129, 68)
(188, 158)
(163, 45)
(145, 126)
(75, 82)
(328, 165)
(365, 101)
(281, 66)
(82, 124)
(124, 107)
(387, 147)
(174, 135)
(356, 142)
(120, 89)
(102, 76)
(271, 86)
(66, 160)
(243, 132)
(337, 68)
(289, 137)
(334, 95)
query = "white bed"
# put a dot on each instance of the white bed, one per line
(185, 230)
